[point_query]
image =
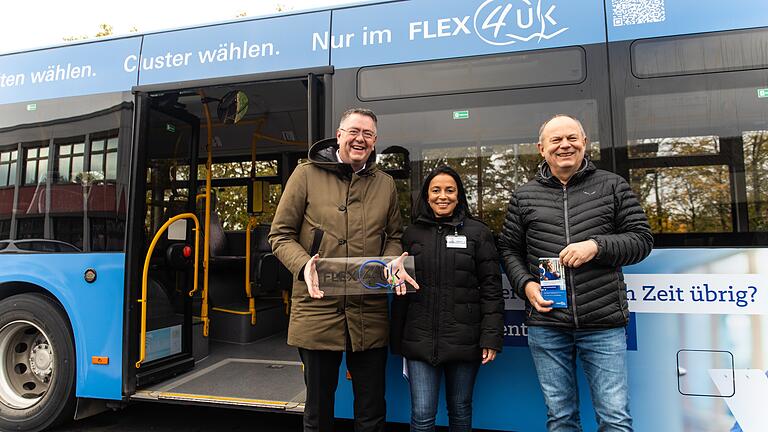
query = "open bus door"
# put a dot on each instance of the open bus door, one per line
(233, 329)
(164, 242)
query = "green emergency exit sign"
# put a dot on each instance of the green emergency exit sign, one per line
(461, 115)
(762, 93)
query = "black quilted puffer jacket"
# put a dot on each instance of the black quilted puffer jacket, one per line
(460, 307)
(544, 216)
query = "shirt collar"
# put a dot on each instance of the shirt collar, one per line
(338, 158)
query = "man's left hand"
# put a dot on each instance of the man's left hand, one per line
(576, 254)
(398, 267)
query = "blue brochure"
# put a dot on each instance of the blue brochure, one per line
(552, 280)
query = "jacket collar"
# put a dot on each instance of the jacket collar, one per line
(323, 155)
(456, 220)
(545, 176)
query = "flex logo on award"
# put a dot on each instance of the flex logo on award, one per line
(504, 22)
(372, 274)
(363, 275)
(376, 274)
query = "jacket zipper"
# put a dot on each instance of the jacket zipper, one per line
(435, 295)
(567, 242)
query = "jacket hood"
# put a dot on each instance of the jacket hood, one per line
(323, 155)
(546, 177)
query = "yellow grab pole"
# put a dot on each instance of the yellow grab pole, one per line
(145, 275)
(206, 247)
(248, 291)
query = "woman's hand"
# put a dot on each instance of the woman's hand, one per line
(400, 276)
(489, 354)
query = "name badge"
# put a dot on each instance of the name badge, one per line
(456, 241)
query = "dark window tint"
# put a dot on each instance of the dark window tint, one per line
(509, 71)
(685, 199)
(494, 150)
(696, 156)
(30, 227)
(727, 51)
(63, 166)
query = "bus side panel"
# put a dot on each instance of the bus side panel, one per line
(94, 309)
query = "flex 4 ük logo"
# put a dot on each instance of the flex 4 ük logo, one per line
(504, 22)
(497, 22)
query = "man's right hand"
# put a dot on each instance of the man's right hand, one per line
(311, 279)
(533, 292)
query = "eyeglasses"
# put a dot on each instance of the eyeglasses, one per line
(354, 133)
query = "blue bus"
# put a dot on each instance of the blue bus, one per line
(139, 176)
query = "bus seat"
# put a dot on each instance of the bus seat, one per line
(219, 257)
(265, 267)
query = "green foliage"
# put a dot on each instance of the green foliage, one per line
(490, 174)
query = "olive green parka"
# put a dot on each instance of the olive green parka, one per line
(359, 216)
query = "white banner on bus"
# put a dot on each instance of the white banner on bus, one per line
(743, 294)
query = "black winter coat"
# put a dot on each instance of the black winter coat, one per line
(460, 308)
(544, 216)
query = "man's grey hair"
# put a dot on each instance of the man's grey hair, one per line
(578, 122)
(362, 111)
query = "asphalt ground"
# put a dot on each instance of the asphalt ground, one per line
(162, 417)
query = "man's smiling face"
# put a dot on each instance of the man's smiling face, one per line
(357, 139)
(562, 144)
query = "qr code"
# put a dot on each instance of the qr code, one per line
(631, 12)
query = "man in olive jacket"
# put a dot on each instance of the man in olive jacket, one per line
(592, 222)
(339, 204)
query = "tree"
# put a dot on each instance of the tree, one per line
(104, 30)
(683, 199)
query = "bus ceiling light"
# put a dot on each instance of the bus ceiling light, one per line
(90, 275)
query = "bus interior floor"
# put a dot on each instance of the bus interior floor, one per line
(265, 374)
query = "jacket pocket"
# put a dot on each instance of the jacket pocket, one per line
(467, 313)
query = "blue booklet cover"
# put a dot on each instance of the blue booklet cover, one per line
(552, 280)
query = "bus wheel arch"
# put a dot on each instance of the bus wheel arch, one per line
(37, 363)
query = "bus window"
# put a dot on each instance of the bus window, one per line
(756, 172)
(718, 52)
(8, 167)
(64, 171)
(695, 159)
(685, 199)
(494, 149)
(518, 70)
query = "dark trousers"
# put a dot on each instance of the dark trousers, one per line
(321, 376)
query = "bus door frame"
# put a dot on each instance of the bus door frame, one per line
(319, 113)
(183, 361)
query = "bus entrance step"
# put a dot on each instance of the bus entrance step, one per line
(261, 384)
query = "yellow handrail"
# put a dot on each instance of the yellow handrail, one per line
(197, 198)
(207, 251)
(143, 299)
(248, 291)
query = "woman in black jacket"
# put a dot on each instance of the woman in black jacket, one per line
(454, 323)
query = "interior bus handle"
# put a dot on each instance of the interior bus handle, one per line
(143, 299)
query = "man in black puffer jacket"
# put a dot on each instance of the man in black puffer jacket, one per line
(592, 222)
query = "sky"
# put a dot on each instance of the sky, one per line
(24, 26)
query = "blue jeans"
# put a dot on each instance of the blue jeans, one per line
(603, 356)
(424, 380)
